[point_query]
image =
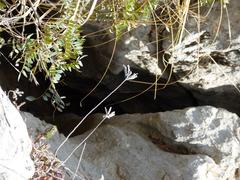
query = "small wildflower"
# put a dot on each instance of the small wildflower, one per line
(108, 113)
(129, 75)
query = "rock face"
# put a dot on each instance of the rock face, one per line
(193, 143)
(228, 20)
(206, 63)
(136, 48)
(15, 145)
(212, 75)
(205, 66)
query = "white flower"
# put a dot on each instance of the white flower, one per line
(108, 113)
(129, 75)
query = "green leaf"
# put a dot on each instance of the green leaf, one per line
(45, 98)
(30, 98)
(24, 73)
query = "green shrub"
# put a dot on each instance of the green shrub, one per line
(55, 45)
(52, 48)
(123, 14)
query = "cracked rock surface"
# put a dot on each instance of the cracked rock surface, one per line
(206, 63)
(193, 143)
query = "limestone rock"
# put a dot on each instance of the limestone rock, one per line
(206, 63)
(212, 75)
(16, 146)
(228, 20)
(135, 48)
(205, 130)
(194, 143)
(203, 65)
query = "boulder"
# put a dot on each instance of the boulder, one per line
(226, 18)
(16, 146)
(206, 63)
(211, 75)
(193, 143)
